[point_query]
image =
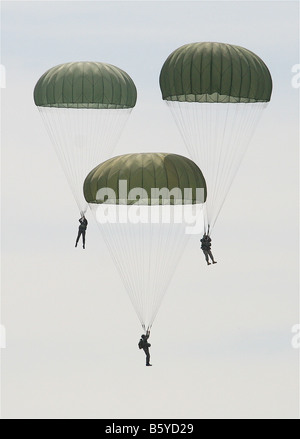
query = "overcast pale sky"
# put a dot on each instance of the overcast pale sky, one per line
(221, 343)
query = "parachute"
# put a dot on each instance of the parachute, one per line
(216, 93)
(143, 204)
(85, 106)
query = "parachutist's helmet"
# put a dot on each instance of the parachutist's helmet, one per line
(143, 336)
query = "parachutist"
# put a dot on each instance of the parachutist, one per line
(142, 241)
(206, 248)
(143, 344)
(81, 230)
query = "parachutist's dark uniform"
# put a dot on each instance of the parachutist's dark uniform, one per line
(145, 346)
(206, 248)
(81, 230)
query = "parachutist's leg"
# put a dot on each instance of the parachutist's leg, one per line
(147, 356)
(78, 236)
(206, 257)
(211, 257)
(83, 238)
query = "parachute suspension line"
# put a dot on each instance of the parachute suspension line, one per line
(124, 251)
(163, 240)
(159, 263)
(240, 133)
(153, 246)
(56, 140)
(145, 255)
(172, 237)
(221, 153)
(122, 241)
(220, 122)
(57, 128)
(191, 127)
(112, 238)
(216, 136)
(83, 138)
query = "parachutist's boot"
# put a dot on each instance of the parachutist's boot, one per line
(214, 262)
(148, 364)
(208, 263)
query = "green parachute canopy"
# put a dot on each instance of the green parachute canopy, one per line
(146, 171)
(215, 72)
(85, 85)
